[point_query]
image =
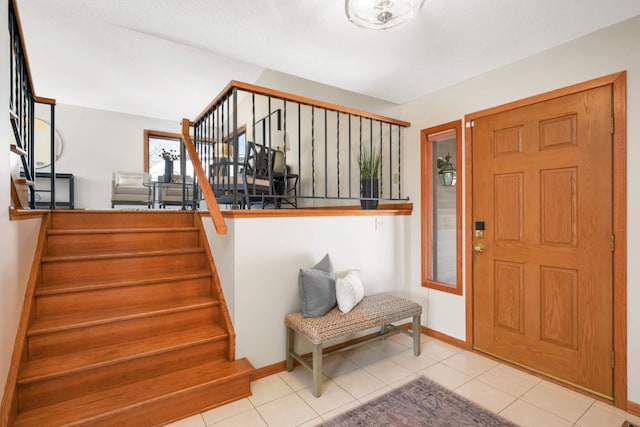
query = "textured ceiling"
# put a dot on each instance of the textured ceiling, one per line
(130, 55)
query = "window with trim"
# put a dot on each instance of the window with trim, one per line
(441, 213)
(154, 143)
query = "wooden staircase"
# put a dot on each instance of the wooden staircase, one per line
(128, 324)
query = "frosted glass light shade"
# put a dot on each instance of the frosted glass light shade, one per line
(381, 14)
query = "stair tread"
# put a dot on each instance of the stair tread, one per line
(69, 363)
(75, 231)
(127, 253)
(51, 288)
(93, 407)
(46, 324)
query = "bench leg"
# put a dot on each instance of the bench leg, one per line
(317, 370)
(290, 348)
(416, 335)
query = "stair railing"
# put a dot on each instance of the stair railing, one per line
(22, 101)
(313, 149)
(200, 175)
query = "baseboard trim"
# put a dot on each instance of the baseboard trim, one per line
(446, 338)
(268, 370)
(633, 408)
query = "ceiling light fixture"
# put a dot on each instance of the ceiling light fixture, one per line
(381, 14)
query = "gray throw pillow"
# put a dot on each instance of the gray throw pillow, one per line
(317, 288)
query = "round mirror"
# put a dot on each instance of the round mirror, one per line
(42, 133)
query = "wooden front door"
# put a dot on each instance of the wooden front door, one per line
(543, 287)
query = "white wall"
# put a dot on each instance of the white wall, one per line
(604, 52)
(261, 287)
(97, 143)
(18, 237)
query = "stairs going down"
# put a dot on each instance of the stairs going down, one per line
(128, 325)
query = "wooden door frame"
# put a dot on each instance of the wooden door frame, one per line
(619, 84)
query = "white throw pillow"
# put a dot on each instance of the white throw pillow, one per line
(349, 291)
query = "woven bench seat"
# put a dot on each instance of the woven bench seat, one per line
(374, 311)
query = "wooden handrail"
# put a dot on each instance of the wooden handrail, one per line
(294, 98)
(209, 197)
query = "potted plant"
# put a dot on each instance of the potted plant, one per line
(369, 163)
(169, 157)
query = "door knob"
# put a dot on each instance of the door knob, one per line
(480, 247)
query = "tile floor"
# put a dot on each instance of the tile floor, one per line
(355, 376)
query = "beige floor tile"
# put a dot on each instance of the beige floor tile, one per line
(267, 389)
(246, 419)
(362, 356)
(470, 363)
(560, 401)
(509, 380)
(413, 363)
(298, 379)
(377, 393)
(333, 396)
(527, 415)
(404, 380)
(287, 411)
(486, 396)
(445, 376)
(341, 410)
(402, 339)
(366, 372)
(313, 423)
(388, 371)
(193, 421)
(359, 383)
(619, 412)
(226, 411)
(599, 417)
(386, 348)
(438, 350)
(336, 364)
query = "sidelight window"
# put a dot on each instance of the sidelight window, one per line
(441, 154)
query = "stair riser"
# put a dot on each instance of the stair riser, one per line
(74, 302)
(120, 268)
(74, 244)
(172, 408)
(50, 391)
(68, 341)
(113, 219)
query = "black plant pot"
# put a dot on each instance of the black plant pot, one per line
(369, 189)
(168, 170)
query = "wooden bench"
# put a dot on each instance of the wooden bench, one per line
(374, 311)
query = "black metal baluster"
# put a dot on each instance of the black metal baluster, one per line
(381, 180)
(326, 156)
(350, 160)
(390, 161)
(338, 149)
(299, 183)
(313, 152)
(399, 162)
(52, 202)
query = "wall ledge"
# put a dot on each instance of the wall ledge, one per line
(383, 210)
(18, 214)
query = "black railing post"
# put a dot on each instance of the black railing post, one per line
(313, 152)
(234, 93)
(338, 150)
(52, 135)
